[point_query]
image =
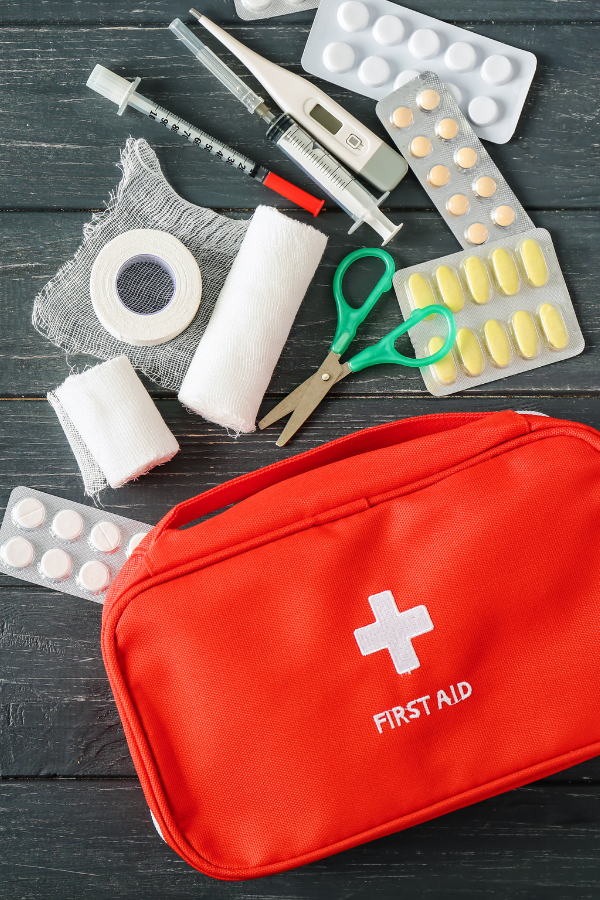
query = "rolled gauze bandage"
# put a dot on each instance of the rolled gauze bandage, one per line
(235, 358)
(112, 424)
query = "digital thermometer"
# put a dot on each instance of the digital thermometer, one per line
(326, 120)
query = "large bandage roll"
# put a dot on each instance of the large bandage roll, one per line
(234, 362)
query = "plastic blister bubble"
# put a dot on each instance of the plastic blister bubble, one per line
(249, 10)
(451, 163)
(498, 333)
(40, 542)
(376, 46)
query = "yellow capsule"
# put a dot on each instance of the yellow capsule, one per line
(445, 369)
(534, 263)
(477, 279)
(449, 288)
(497, 343)
(420, 290)
(505, 271)
(469, 351)
(553, 326)
(525, 334)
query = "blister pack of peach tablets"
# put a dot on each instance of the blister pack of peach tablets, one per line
(512, 309)
(451, 163)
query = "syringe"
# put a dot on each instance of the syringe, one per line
(323, 168)
(124, 94)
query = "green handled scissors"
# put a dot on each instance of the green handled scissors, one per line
(306, 397)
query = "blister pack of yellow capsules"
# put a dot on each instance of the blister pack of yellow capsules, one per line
(512, 308)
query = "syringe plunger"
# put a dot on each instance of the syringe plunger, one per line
(112, 86)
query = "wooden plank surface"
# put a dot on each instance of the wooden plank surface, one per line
(161, 12)
(73, 820)
(537, 842)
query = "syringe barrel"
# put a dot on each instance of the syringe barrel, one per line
(329, 174)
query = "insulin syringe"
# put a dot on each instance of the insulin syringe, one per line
(308, 154)
(124, 94)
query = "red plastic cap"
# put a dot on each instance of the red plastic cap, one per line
(293, 193)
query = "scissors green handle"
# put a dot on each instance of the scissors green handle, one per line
(349, 318)
(385, 351)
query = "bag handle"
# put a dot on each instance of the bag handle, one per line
(375, 438)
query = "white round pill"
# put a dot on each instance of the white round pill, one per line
(404, 77)
(353, 16)
(455, 91)
(374, 71)
(497, 70)
(17, 553)
(56, 564)
(460, 57)
(134, 541)
(256, 5)
(338, 57)
(29, 513)
(105, 537)
(94, 576)
(424, 43)
(67, 525)
(388, 30)
(483, 111)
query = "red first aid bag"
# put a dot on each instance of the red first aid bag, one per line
(379, 631)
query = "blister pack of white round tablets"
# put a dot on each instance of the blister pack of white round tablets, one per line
(63, 545)
(451, 163)
(264, 9)
(512, 308)
(374, 47)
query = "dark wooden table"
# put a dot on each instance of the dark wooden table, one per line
(73, 821)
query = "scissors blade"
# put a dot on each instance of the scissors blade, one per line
(287, 405)
(320, 384)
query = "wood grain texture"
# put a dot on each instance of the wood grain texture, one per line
(89, 835)
(62, 141)
(161, 12)
(34, 245)
(81, 840)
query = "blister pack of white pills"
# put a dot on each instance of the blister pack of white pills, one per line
(451, 163)
(264, 9)
(512, 308)
(374, 47)
(63, 545)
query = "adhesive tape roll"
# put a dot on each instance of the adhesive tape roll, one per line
(145, 287)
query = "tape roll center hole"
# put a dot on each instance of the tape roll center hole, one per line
(145, 284)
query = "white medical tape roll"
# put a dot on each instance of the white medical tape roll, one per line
(145, 329)
(235, 358)
(112, 424)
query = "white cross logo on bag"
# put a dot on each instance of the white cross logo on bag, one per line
(394, 630)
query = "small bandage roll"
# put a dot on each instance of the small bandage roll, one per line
(112, 425)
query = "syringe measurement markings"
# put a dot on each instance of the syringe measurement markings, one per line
(324, 162)
(196, 136)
